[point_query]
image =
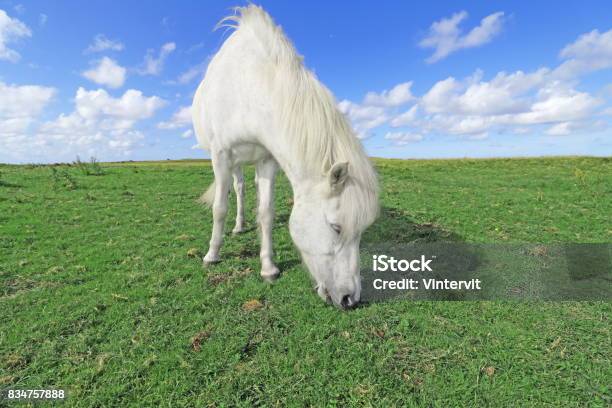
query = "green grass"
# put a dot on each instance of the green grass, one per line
(99, 294)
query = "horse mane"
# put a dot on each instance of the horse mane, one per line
(321, 135)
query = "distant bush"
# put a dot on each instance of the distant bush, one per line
(91, 168)
(63, 178)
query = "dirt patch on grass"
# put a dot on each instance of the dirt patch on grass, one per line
(252, 305)
(223, 277)
(198, 339)
(20, 285)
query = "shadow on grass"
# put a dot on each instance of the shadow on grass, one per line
(4, 183)
(395, 226)
(396, 234)
(287, 264)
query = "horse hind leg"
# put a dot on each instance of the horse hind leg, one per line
(239, 189)
(223, 176)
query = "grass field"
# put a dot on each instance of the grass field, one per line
(103, 294)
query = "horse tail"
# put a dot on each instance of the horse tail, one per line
(208, 197)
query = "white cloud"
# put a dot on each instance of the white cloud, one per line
(568, 128)
(490, 98)
(187, 134)
(437, 99)
(398, 95)
(70, 135)
(194, 47)
(154, 66)
(363, 117)
(42, 19)
(557, 103)
(19, 108)
(445, 36)
(24, 100)
(473, 106)
(560, 129)
(460, 108)
(191, 74)
(513, 103)
(405, 118)
(102, 43)
(521, 130)
(100, 124)
(470, 125)
(503, 94)
(107, 73)
(11, 30)
(403, 138)
(132, 105)
(360, 112)
(590, 52)
(376, 108)
(180, 118)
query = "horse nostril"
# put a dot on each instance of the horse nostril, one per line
(347, 302)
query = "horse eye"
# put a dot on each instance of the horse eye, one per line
(336, 228)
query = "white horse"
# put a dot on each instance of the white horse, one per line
(259, 105)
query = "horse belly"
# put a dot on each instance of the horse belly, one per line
(249, 153)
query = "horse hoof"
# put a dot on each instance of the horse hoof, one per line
(208, 261)
(271, 275)
(237, 231)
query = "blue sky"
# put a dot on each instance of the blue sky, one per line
(437, 79)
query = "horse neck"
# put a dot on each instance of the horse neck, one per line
(293, 166)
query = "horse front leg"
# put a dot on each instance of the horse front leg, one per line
(223, 178)
(266, 174)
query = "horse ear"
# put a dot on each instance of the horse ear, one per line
(338, 175)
